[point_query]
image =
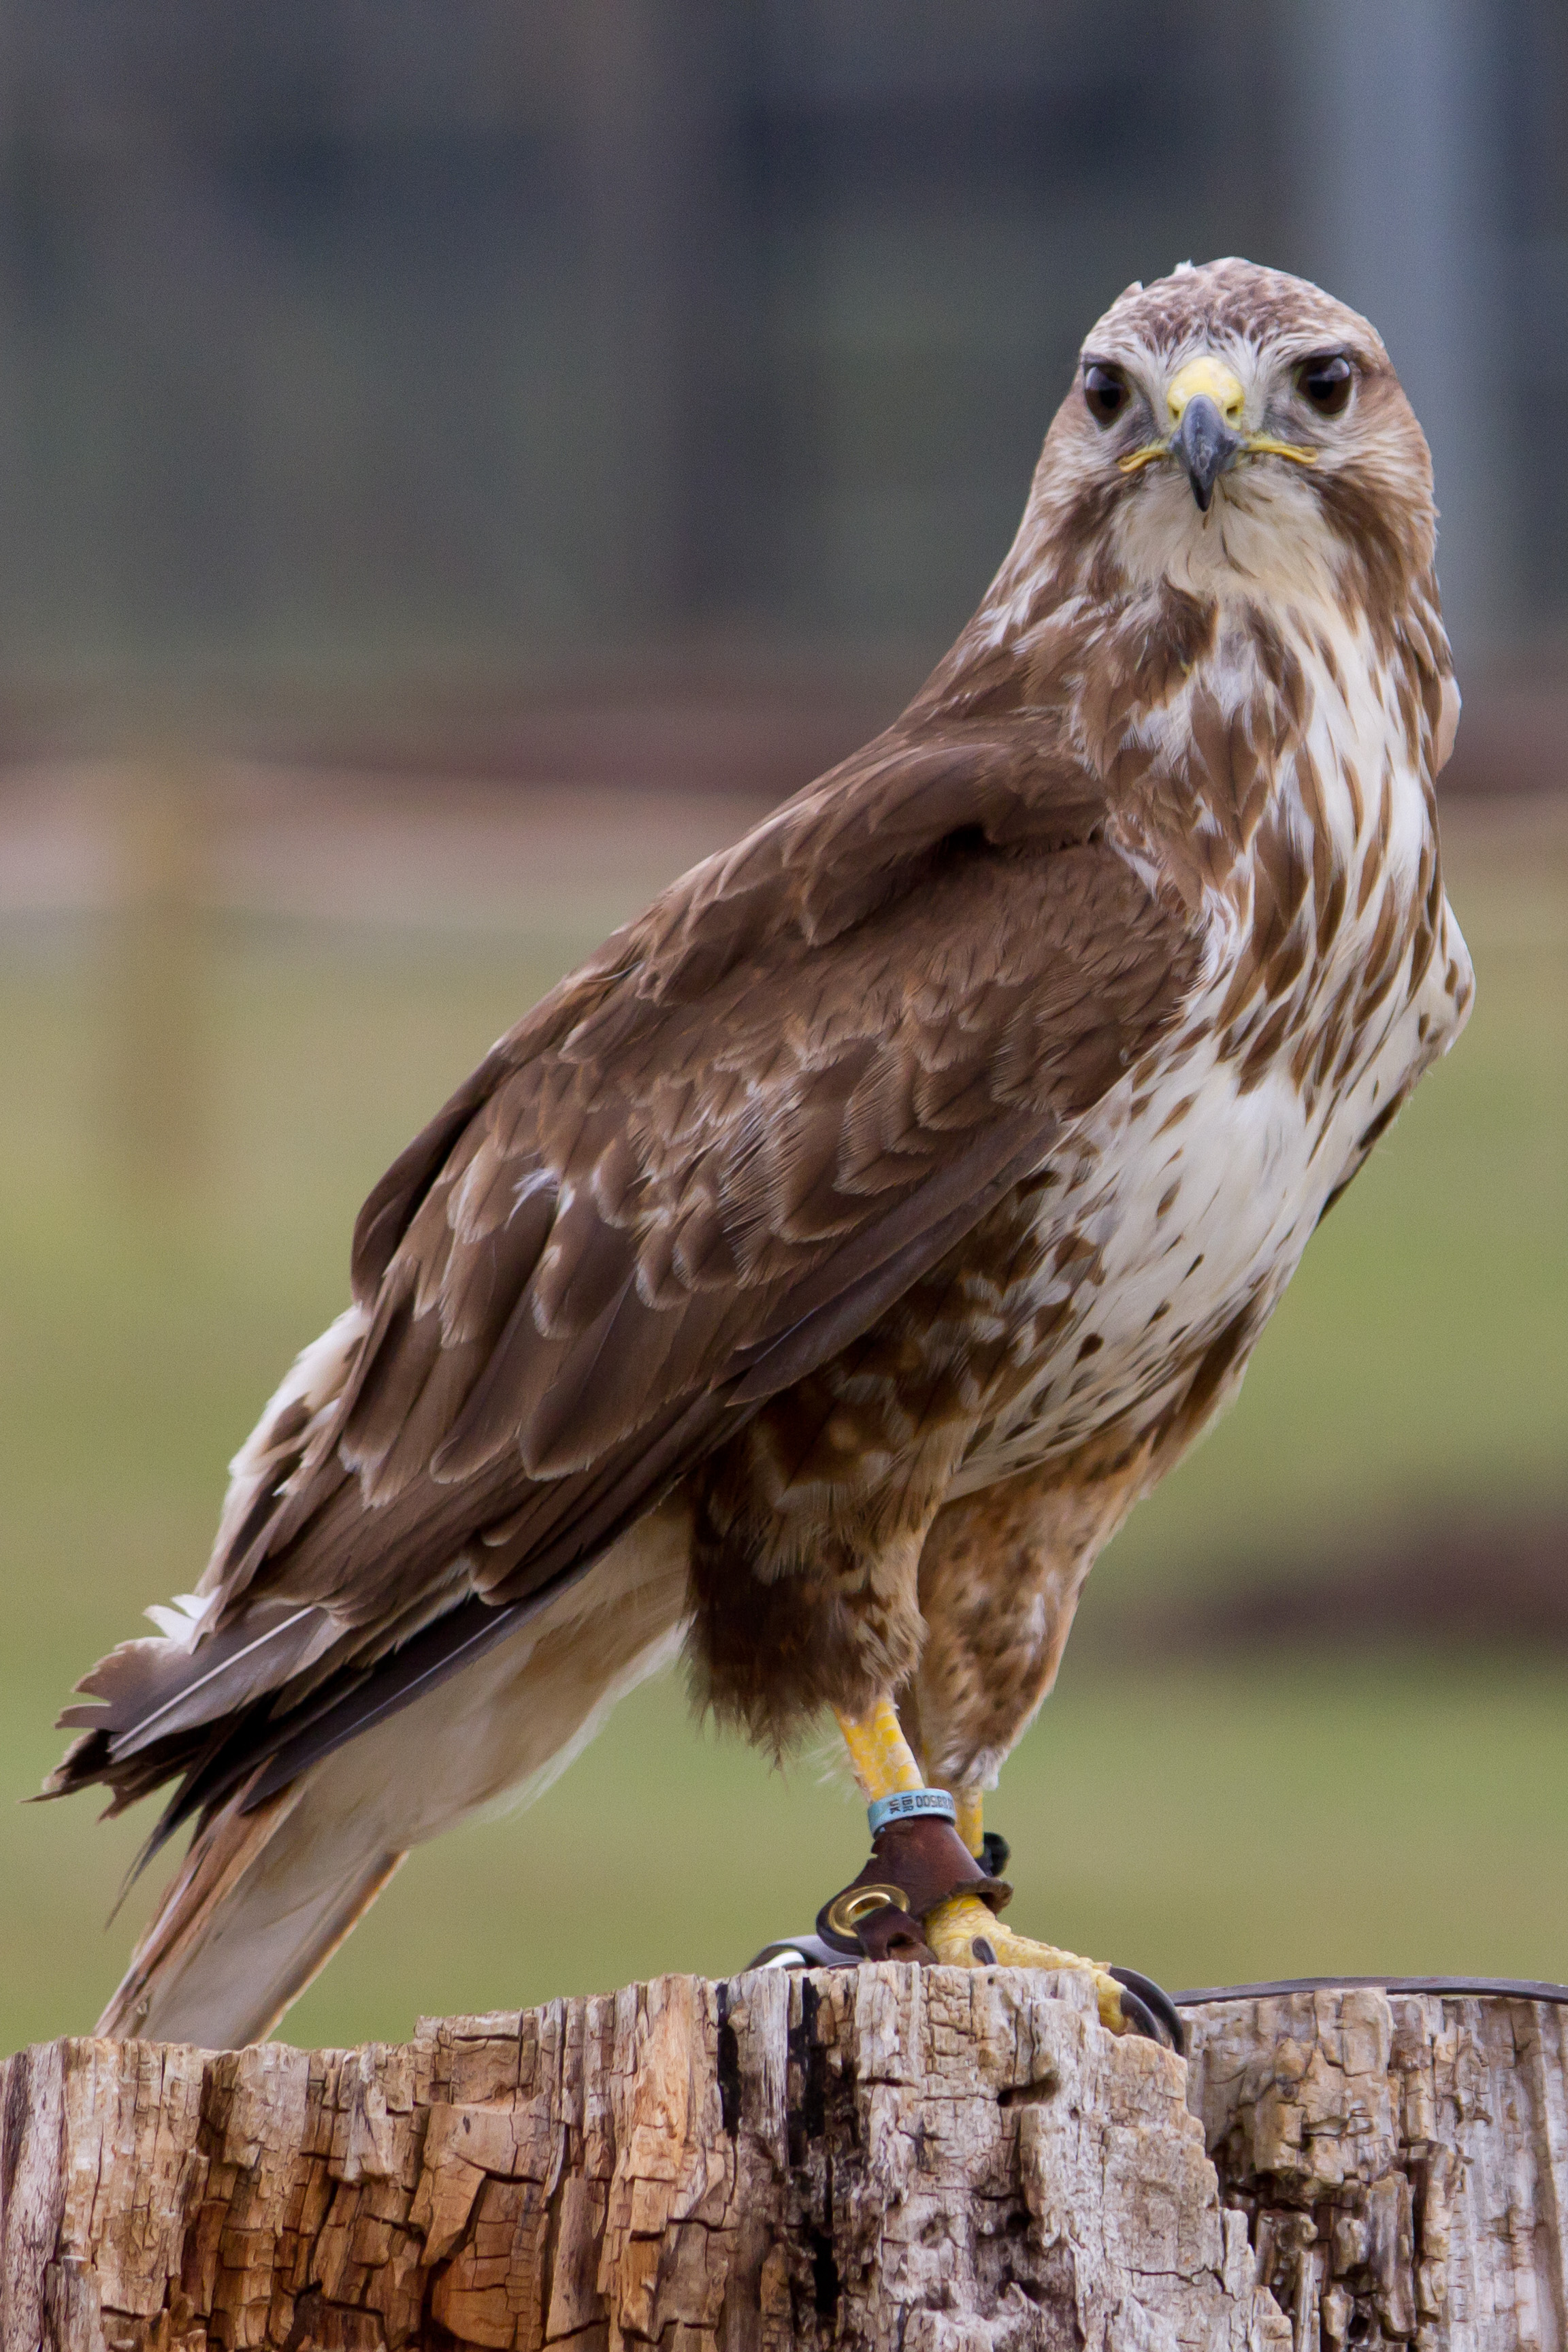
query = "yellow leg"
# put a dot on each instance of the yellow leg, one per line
(883, 1760)
(963, 1932)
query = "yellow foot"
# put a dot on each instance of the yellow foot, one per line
(964, 1933)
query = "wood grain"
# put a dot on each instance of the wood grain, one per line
(939, 2160)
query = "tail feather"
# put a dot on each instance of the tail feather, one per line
(224, 1959)
(149, 1709)
(264, 1897)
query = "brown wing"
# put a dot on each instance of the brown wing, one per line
(706, 1161)
(709, 1160)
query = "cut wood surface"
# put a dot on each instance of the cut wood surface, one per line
(926, 2161)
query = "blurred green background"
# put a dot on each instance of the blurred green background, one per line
(1204, 1813)
(458, 464)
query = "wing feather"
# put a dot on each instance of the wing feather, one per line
(707, 1161)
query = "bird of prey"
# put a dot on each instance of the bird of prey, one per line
(819, 1274)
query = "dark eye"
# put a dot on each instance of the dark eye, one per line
(1324, 384)
(1107, 391)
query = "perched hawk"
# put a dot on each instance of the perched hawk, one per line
(819, 1274)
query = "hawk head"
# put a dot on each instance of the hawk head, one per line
(1232, 430)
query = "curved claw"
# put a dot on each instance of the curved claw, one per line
(1138, 2017)
(1164, 2019)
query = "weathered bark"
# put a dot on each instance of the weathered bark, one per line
(1402, 2159)
(930, 2160)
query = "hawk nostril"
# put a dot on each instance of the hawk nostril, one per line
(1214, 379)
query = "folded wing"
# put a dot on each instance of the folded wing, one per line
(704, 1164)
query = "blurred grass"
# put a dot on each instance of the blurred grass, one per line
(1296, 1816)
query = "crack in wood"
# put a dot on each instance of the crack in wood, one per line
(939, 2160)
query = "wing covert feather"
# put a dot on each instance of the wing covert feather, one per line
(705, 1162)
(701, 1166)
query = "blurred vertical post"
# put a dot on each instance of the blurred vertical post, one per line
(1401, 141)
(654, 196)
(157, 978)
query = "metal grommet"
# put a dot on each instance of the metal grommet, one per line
(855, 1902)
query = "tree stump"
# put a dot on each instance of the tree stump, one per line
(926, 2161)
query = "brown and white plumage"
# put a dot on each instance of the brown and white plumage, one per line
(824, 1268)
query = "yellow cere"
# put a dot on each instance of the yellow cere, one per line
(1210, 375)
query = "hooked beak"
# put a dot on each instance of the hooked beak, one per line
(1206, 402)
(1205, 446)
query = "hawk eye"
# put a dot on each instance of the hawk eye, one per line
(1106, 390)
(1324, 384)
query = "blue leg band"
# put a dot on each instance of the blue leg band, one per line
(908, 1805)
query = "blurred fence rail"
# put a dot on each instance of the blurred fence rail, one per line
(552, 819)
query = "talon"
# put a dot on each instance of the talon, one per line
(1157, 2004)
(993, 1853)
(984, 1952)
(1137, 2015)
